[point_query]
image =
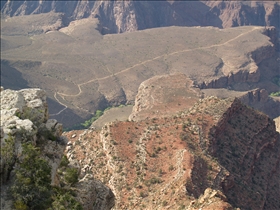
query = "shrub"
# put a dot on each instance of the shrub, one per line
(47, 134)
(164, 203)
(276, 80)
(19, 205)
(155, 180)
(143, 195)
(8, 157)
(71, 175)
(275, 93)
(64, 161)
(65, 201)
(88, 123)
(32, 186)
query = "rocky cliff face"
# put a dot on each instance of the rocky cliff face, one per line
(218, 154)
(25, 118)
(123, 16)
(24, 115)
(260, 100)
(242, 140)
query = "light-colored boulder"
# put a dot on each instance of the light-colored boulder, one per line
(54, 126)
(53, 152)
(85, 190)
(12, 99)
(105, 199)
(24, 115)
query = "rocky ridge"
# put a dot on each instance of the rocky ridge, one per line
(24, 115)
(214, 154)
(163, 95)
(125, 16)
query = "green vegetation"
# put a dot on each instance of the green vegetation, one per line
(32, 186)
(29, 113)
(64, 200)
(8, 157)
(152, 181)
(47, 134)
(64, 161)
(71, 175)
(275, 93)
(88, 123)
(276, 80)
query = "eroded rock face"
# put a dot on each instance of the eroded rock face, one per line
(246, 143)
(21, 113)
(123, 16)
(92, 193)
(24, 118)
(210, 152)
(105, 197)
(211, 200)
(85, 190)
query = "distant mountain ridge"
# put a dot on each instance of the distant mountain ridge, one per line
(123, 16)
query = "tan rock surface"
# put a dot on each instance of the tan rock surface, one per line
(162, 96)
(277, 123)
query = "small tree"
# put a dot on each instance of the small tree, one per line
(8, 157)
(32, 186)
(71, 176)
(64, 200)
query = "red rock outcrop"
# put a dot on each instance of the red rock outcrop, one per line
(218, 144)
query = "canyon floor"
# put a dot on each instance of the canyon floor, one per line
(83, 71)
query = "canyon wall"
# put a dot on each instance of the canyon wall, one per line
(124, 16)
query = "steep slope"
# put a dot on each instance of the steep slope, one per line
(33, 169)
(218, 149)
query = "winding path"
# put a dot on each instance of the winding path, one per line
(139, 64)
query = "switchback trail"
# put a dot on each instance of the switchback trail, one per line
(139, 64)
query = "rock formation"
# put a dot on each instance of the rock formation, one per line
(124, 16)
(213, 154)
(277, 123)
(160, 96)
(24, 118)
(24, 115)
